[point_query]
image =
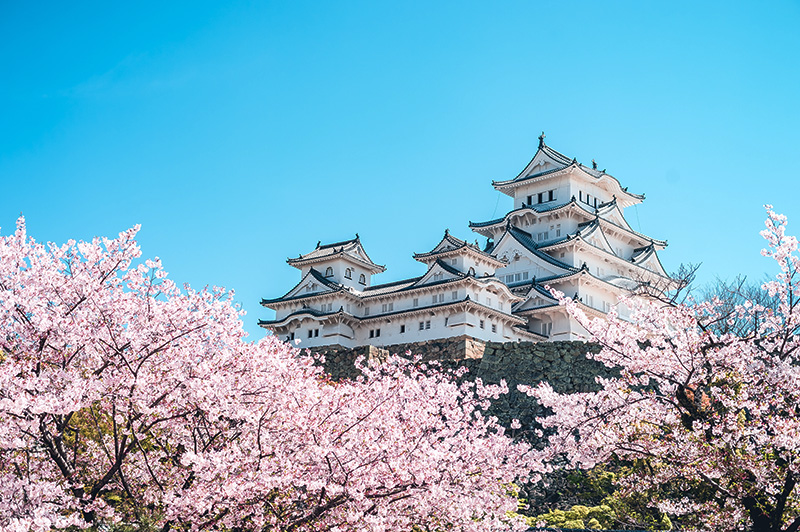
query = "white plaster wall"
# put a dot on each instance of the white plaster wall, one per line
(559, 184)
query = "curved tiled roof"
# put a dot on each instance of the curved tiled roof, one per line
(334, 287)
(562, 163)
(350, 248)
(457, 244)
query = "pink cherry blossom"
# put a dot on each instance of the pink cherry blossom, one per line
(122, 394)
(712, 419)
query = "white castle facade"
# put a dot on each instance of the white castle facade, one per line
(567, 231)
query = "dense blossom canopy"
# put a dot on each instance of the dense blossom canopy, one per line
(710, 421)
(124, 398)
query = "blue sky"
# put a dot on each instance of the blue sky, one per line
(239, 134)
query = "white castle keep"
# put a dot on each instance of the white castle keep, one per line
(567, 231)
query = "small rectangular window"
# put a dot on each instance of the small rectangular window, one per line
(441, 298)
(517, 276)
(580, 195)
(384, 307)
(402, 329)
(530, 200)
(561, 255)
(428, 324)
(366, 311)
(416, 302)
(453, 262)
(421, 325)
(541, 197)
(494, 328)
(481, 324)
(551, 195)
(316, 333)
(310, 333)
(371, 333)
(510, 278)
(377, 333)
(433, 298)
(454, 295)
(524, 275)
(488, 301)
(445, 321)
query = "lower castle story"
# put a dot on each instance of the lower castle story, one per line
(567, 232)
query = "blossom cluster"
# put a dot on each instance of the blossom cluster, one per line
(124, 396)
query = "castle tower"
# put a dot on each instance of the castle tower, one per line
(568, 231)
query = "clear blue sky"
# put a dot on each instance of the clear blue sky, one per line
(241, 133)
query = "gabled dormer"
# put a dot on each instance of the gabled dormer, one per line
(553, 178)
(461, 255)
(313, 283)
(344, 262)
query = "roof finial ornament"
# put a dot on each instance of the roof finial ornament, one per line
(446, 232)
(357, 237)
(319, 242)
(541, 140)
(594, 164)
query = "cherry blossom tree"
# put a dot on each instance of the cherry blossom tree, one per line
(127, 399)
(710, 421)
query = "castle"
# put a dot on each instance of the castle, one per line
(567, 231)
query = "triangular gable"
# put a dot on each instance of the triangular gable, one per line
(509, 247)
(357, 250)
(613, 214)
(312, 278)
(650, 261)
(438, 272)
(537, 292)
(593, 234)
(449, 242)
(546, 159)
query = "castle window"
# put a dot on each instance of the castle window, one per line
(328, 272)
(374, 333)
(428, 324)
(558, 230)
(291, 335)
(541, 197)
(453, 262)
(551, 195)
(402, 329)
(433, 298)
(530, 200)
(310, 333)
(422, 326)
(362, 279)
(494, 328)
(348, 273)
(481, 324)
(387, 307)
(316, 333)
(454, 295)
(416, 302)
(445, 321)
(366, 311)
(524, 275)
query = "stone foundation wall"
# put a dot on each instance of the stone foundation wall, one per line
(562, 364)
